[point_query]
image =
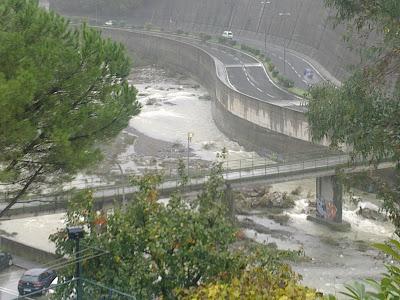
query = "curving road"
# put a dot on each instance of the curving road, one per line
(246, 74)
(295, 63)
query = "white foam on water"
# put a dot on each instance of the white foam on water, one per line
(179, 111)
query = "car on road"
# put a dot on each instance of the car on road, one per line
(35, 280)
(227, 34)
(109, 23)
(308, 73)
(53, 287)
(5, 260)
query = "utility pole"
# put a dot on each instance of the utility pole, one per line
(265, 42)
(76, 233)
(284, 43)
(284, 58)
(124, 203)
(189, 139)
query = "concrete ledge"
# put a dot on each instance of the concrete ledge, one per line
(343, 227)
(28, 252)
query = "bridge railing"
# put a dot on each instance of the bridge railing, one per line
(235, 171)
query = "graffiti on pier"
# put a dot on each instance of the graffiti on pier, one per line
(326, 209)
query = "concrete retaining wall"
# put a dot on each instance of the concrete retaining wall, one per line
(27, 252)
(306, 30)
(255, 124)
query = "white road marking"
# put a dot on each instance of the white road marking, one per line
(12, 292)
(243, 66)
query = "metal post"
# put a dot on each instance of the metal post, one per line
(97, 12)
(188, 156)
(265, 166)
(284, 58)
(75, 234)
(284, 44)
(78, 272)
(123, 184)
(189, 138)
(265, 43)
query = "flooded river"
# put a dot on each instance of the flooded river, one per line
(174, 106)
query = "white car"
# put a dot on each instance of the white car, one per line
(227, 34)
(109, 23)
(52, 291)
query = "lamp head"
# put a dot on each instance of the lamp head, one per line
(75, 233)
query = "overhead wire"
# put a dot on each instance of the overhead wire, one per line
(46, 265)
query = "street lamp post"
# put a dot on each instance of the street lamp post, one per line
(97, 13)
(265, 31)
(189, 139)
(284, 46)
(123, 184)
(75, 234)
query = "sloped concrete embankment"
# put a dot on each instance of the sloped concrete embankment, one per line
(255, 124)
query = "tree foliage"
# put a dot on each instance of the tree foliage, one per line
(63, 91)
(169, 249)
(363, 113)
(154, 248)
(256, 283)
(380, 21)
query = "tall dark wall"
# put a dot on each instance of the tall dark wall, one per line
(306, 30)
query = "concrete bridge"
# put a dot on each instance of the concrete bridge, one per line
(236, 174)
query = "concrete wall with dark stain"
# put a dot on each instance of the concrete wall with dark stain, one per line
(255, 124)
(307, 30)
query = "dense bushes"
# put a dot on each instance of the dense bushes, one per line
(256, 283)
(286, 82)
(249, 49)
(204, 37)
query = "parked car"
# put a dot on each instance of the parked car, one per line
(109, 23)
(5, 260)
(35, 280)
(227, 34)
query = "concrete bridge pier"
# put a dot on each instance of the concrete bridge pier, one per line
(329, 202)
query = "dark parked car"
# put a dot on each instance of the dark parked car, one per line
(35, 280)
(5, 260)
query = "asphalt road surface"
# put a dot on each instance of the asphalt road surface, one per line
(9, 278)
(246, 74)
(295, 64)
